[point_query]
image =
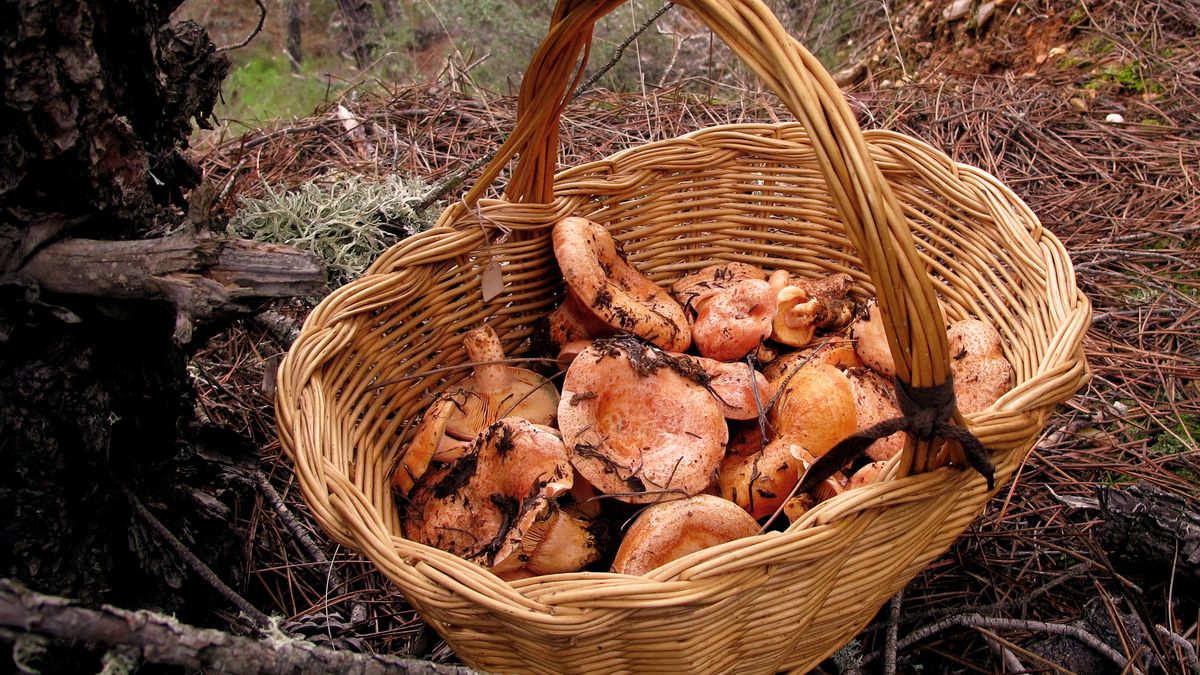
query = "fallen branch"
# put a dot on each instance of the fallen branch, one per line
(202, 276)
(162, 640)
(998, 623)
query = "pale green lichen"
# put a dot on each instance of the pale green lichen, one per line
(347, 220)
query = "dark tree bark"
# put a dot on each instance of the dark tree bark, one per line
(360, 22)
(295, 22)
(153, 638)
(97, 100)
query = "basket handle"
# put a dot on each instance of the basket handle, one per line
(874, 221)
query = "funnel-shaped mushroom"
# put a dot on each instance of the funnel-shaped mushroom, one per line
(731, 306)
(481, 506)
(981, 373)
(612, 290)
(806, 305)
(638, 420)
(669, 531)
(496, 390)
(815, 409)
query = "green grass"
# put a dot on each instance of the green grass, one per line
(264, 88)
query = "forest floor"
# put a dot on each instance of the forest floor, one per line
(1090, 112)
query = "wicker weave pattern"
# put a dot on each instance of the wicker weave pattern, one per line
(370, 355)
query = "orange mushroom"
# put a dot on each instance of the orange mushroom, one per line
(429, 442)
(741, 392)
(874, 402)
(815, 409)
(866, 475)
(672, 530)
(731, 305)
(839, 353)
(482, 506)
(572, 321)
(981, 373)
(563, 541)
(759, 482)
(638, 422)
(617, 294)
(805, 305)
(496, 390)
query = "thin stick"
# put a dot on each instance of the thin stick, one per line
(262, 16)
(197, 565)
(893, 630)
(998, 623)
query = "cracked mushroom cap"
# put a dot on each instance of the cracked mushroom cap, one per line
(496, 390)
(981, 373)
(731, 306)
(637, 420)
(672, 530)
(482, 506)
(611, 289)
(815, 409)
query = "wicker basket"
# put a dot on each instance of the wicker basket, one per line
(820, 196)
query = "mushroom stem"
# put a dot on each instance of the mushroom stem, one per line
(485, 351)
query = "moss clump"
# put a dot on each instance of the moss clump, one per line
(347, 221)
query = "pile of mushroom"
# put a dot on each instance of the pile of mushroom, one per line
(686, 417)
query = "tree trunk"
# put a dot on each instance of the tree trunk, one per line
(295, 21)
(97, 101)
(360, 22)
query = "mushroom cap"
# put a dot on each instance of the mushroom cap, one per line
(816, 409)
(744, 439)
(672, 530)
(870, 342)
(568, 352)
(573, 321)
(695, 288)
(496, 390)
(633, 423)
(839, 353)
(741, 391)
(616, 293)
(875, 401)
(981, 373)
(733, 321)
(480, 507)
(866, 474)
(760, 482)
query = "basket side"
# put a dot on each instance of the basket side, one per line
(370, 355)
